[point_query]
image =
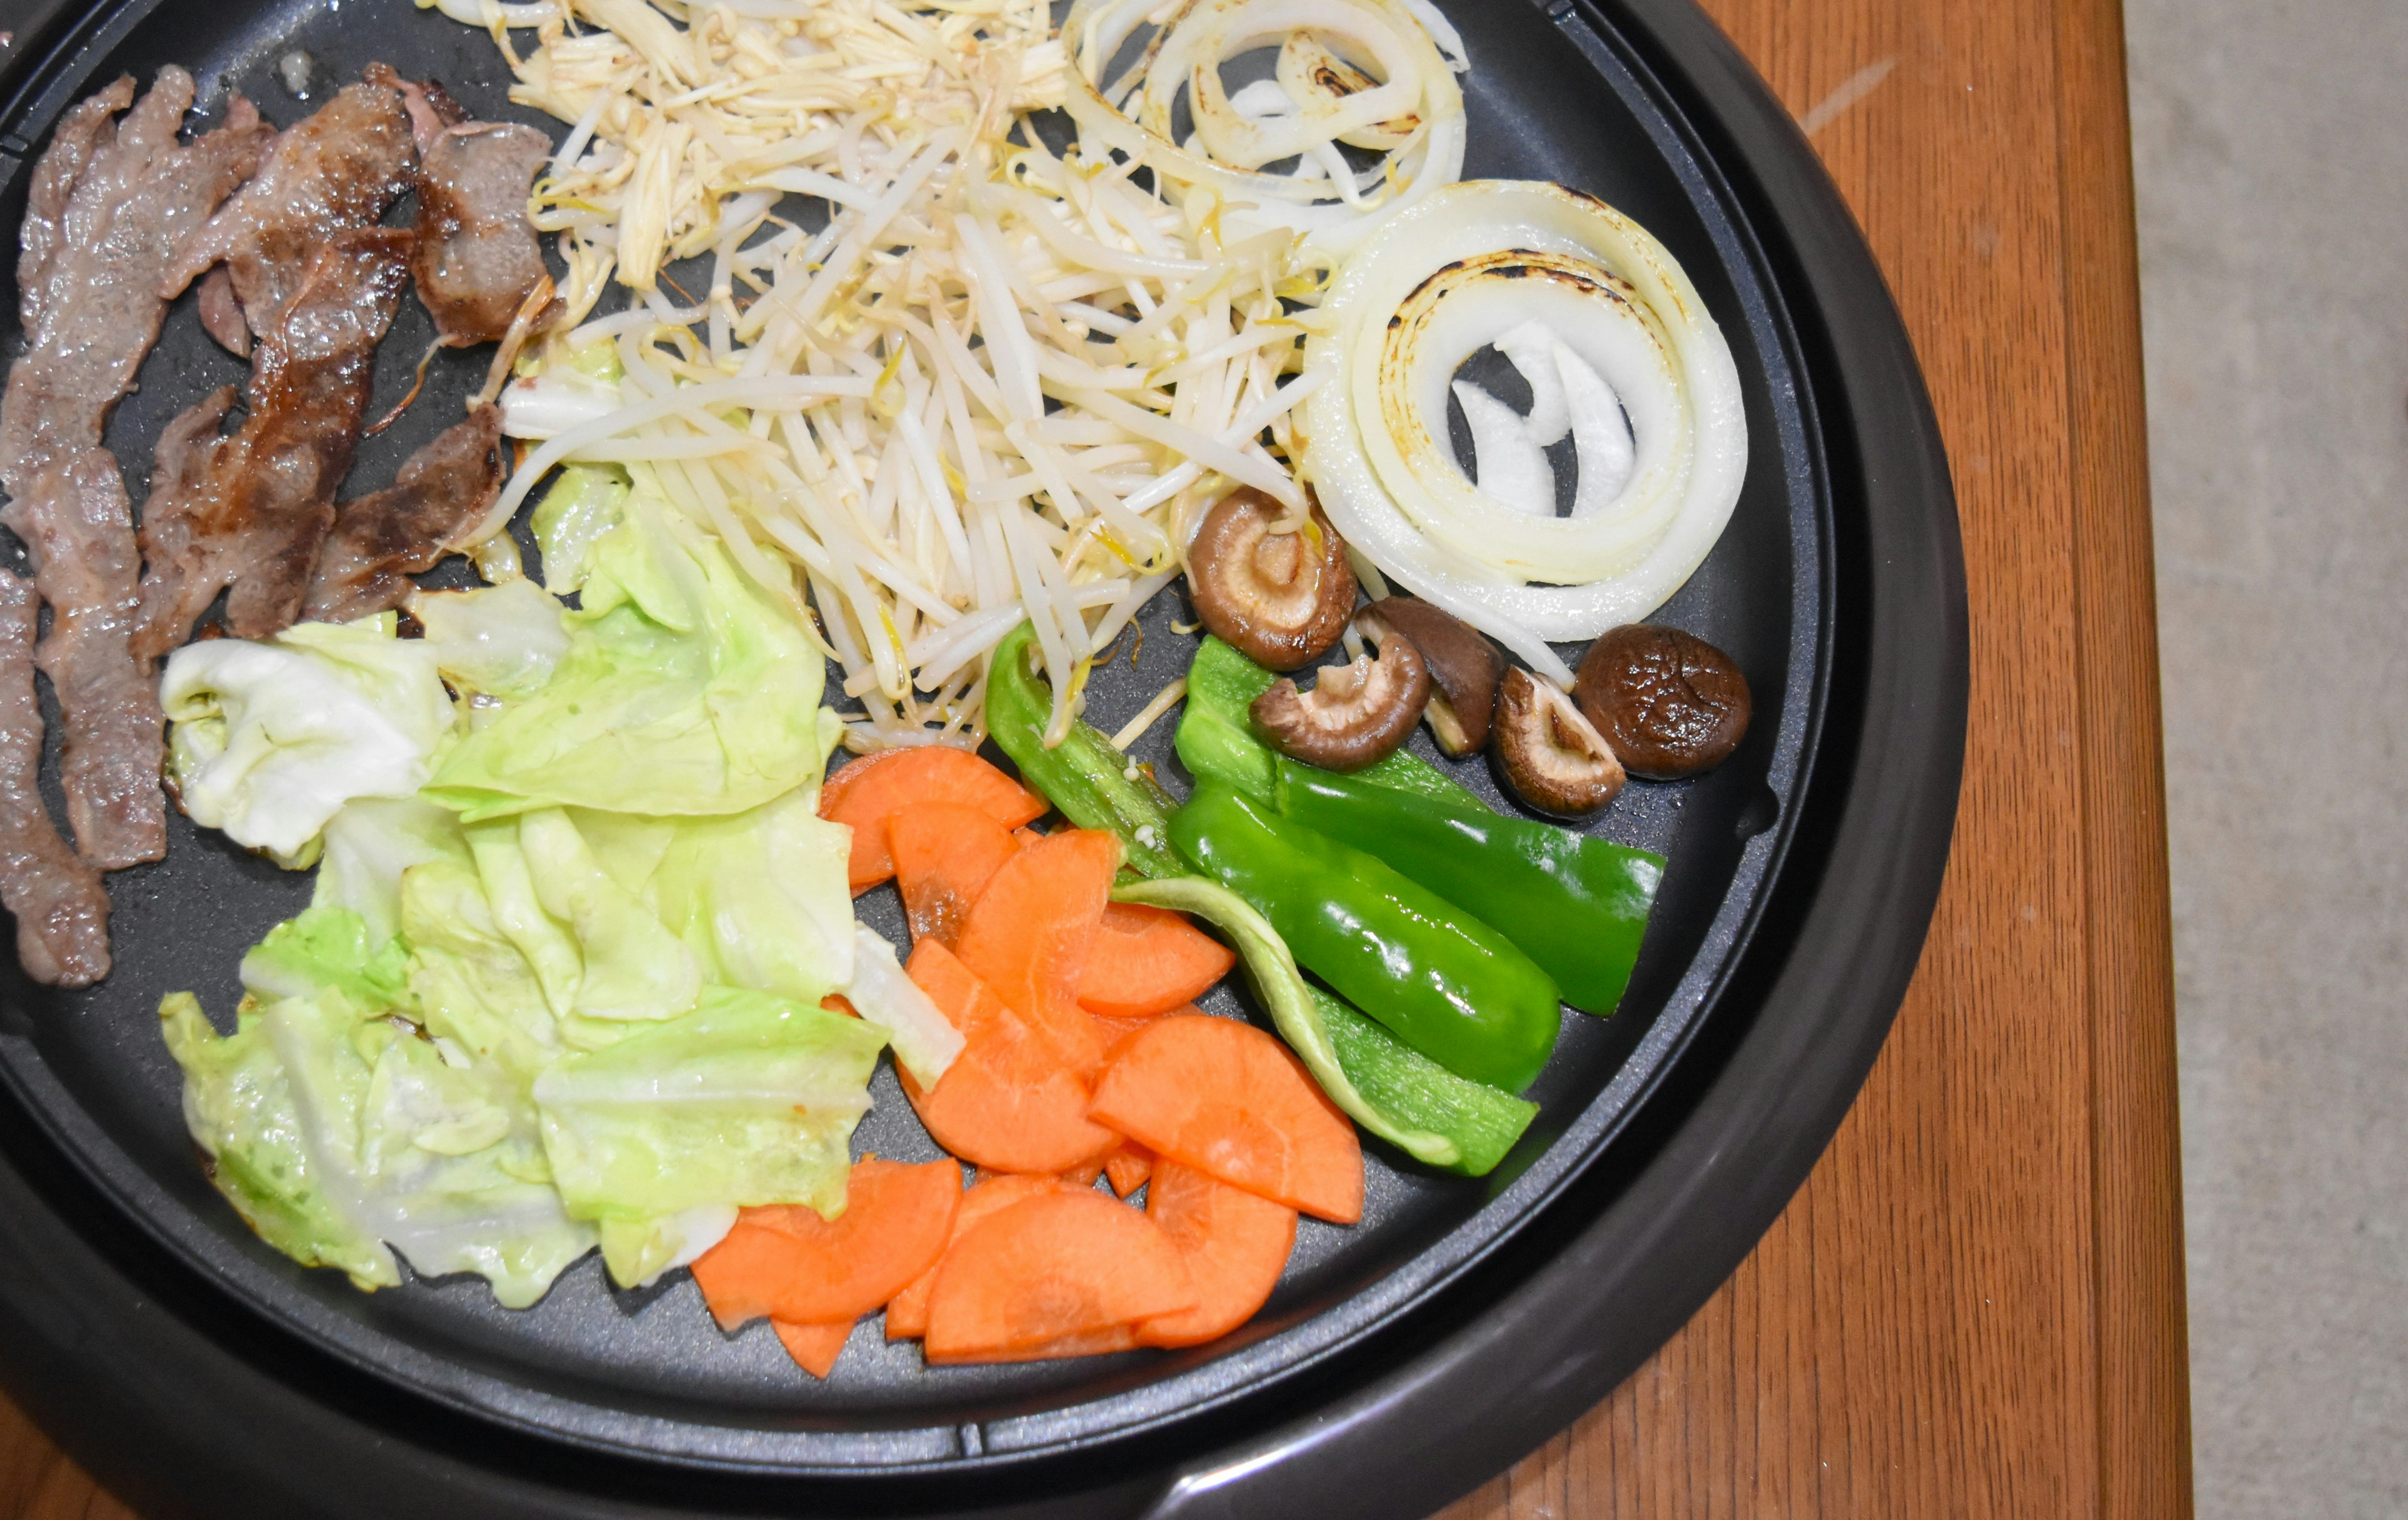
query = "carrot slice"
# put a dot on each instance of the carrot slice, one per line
(1087, 1343)
(788, 1263)
(1129, 1167)
(1029, 931)
(1149, 960)
(1236, 1244)
(1115, 1034)
(944, 855)
(1230, 1100)
(1045, 1275)
(814, 1347)
(1006, 1102)
(869, 791)
(907, 1312)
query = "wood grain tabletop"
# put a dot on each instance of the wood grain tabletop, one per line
(1974, 1306)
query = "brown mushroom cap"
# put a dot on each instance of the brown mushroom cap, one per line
(1671, 704)
(1552, 758)
(1281, 598)
(1356, 715)
(1464, 666)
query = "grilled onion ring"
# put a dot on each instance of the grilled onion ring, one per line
(1414, 109)
(1442, 278)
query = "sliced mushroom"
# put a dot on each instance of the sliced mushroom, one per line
(1671, 704)
(1281, 598)
(1356, 715)
(1552, 758)
(1463, 664)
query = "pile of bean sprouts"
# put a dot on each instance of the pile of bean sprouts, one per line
(956, 368)
(999, 382)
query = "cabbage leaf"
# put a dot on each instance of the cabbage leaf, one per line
(337, 1130)
(502, 641)
(750, 1099)
(686, 691)
(270, 738)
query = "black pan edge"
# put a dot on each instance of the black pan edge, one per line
(1744, 1116)
(128, 1366)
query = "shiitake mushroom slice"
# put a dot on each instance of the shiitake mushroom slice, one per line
(1281, 598)
(1669, 704)
(1356, 715)
(1464, 666)
(1550, 755)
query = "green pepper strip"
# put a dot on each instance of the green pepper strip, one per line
(1574, 904)
(1453, 987)
(1400, 1082)
(1384, 1084)
(1216, 737)
(1084, 775)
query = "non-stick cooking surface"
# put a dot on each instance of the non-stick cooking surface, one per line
(644, 1382)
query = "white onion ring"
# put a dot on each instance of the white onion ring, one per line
(1435, 283)
(1418, 107)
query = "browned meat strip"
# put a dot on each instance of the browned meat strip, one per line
(78, 135)
(249, 512)
(112, 201)
(380, 540)
(222, 315)
(91, 303)
(62, 913)
(340, 168)
(80, 531)
(430, 105)
(176, 559)
(477, 259)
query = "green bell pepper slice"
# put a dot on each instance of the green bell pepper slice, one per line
(1576, 905)
(1448, 984)
(1095, 785)
(1391, 1089)
(1216, 739)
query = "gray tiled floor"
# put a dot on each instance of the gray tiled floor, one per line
(2272, 145)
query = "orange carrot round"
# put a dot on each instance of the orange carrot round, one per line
(907, 1312)
(1149, 960)
(814, 1347)
(1129, 1168)
(944, 855)
(1049, 1276)
(1115, 1034)
(1029, 934)
(1230, 1100)
(1236, 1245)
(865, 793)
(1006, 1102)
(788, 1263)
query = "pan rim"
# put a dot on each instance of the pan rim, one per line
(1708, 980)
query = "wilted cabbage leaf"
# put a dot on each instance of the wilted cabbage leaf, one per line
(271, 738)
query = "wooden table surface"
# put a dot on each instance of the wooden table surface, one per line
(1974, 1307)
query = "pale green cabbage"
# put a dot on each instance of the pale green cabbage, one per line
(370, 842)
(270, 738)
(585, 502)
(565, 993)
(498, 642)
(761, 897)
(750, 1099)
(337, 1130)
(686, 691)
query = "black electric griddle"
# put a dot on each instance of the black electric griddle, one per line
(1402, 1360)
